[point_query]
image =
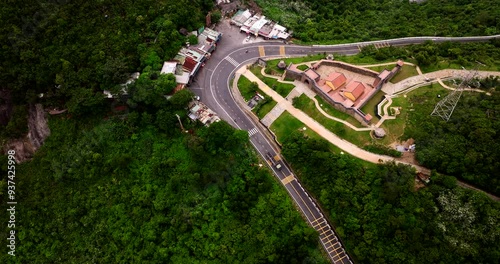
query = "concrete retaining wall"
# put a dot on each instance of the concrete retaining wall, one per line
(349, 67)
(354, 112)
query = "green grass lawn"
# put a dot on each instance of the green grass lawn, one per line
(371, 106)
(381, 68)
(263, 108)
(282, 89)
(286, 124)
(273, 64)
(394, 128)
(417, 104)
(329, 109)
(247, 89)
(406, 71)
(307, 106)
(303, 67)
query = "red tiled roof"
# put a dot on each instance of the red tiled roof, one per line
(325, 88)
(356, 88)
(177, 88)
(338, 79)
(384, 74)
(189, 64)
(312, 74)
(400, 63)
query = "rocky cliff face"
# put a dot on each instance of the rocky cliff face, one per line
(38, 131)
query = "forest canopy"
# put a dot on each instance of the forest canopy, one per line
(127, 191)
(73, 50)
(338, 21)
(467, 146)
(382, 218)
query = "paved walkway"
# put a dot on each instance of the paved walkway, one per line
(270, 117)
(295, 92)
(301, 88)
(305, 89)
(440, 81)
(427, 78)
(385, 114)
(346, 146)
(318, 128)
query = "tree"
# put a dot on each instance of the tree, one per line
(181, 99)
(166, 121)
(215, 16)
(165, 84)
(192, 39)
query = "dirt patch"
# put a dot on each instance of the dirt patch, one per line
(407, 156)
(418, 184)
(395, 111)
(253, 6)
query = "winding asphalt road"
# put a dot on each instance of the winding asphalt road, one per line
(212, 84)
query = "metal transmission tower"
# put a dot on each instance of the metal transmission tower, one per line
(445, 107)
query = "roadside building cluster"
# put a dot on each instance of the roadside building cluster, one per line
(188, 61)
(199, 111)
(258, 25)
(186, 64)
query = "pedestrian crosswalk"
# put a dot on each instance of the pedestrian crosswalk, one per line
(252, 131)
(232, 61)
(376, 45)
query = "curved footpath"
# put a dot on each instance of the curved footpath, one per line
(334, 139)
(213, 81)
(311, 95)
(321, 130)
(405, 85)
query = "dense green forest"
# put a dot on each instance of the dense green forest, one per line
(468, 145)
(129, 187)
(72, 50)
(337, 21)
(383, 219)
(130, 191)
(435, 56)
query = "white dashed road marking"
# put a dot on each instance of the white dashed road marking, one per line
(232, 61)
(252, 131)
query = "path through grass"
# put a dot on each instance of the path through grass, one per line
(306, 105)
(406, 72)
(248, 90)
(282, 89)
